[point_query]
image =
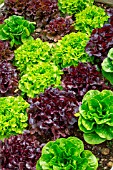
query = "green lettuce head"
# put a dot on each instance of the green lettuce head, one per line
(71, 50)
(96, 116)
(73, 6)
(90, 18)
(66, 154)
(16, 29)
(13, 116)
(39, 77)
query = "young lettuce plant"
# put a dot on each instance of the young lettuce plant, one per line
(40, 11)
(72, 7)
(13, 116)
(39, 77)
(100, 43)
(20, 152)
(107, 66)
(30, 53)
(71, 50)
(65, 154)
(56, 29)
(96, 116)
(90, 18)
(16, 29)
(51, 115)
(83, 78)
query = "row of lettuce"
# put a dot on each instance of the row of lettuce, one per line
(48, 90)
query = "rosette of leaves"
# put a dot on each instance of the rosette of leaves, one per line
(51, 115)
(16, 29)
(90, 18)
(42, 11)
(13, 116)
(20, 152)
(39, 77)
(15, 7)
(8, 79)
(96, 116)
(101, 41)
(30, 53)
(107, 66)
(83, 78)
(70, 50)
(72, 7)
(57, 28)
(5, 51)
(66, 154)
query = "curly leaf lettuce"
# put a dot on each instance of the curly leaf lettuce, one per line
(13, 116)
(39, 77)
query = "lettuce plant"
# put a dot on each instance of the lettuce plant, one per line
(51, 115)
(5, 51)
(65, 154)
(96, 116)
(101, 41)
(107, 66)
(16, 29)
(90, 18)
(30, 53)
(70, 50)
(8, 79)
(83, 78)
(39, 77)
(13, 116)
(20, 152)
(15, 7)
(72, 7)
(57, 28)
(40, 11)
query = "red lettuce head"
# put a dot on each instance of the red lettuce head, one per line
(83, 78)
(20, 152)
(52, 114)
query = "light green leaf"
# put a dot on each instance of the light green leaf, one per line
(105, 132)
(93, 138)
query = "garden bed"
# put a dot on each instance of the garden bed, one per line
(48, 86)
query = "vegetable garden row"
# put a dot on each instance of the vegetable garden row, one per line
(56, 79)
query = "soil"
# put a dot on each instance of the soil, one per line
(103, 151)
